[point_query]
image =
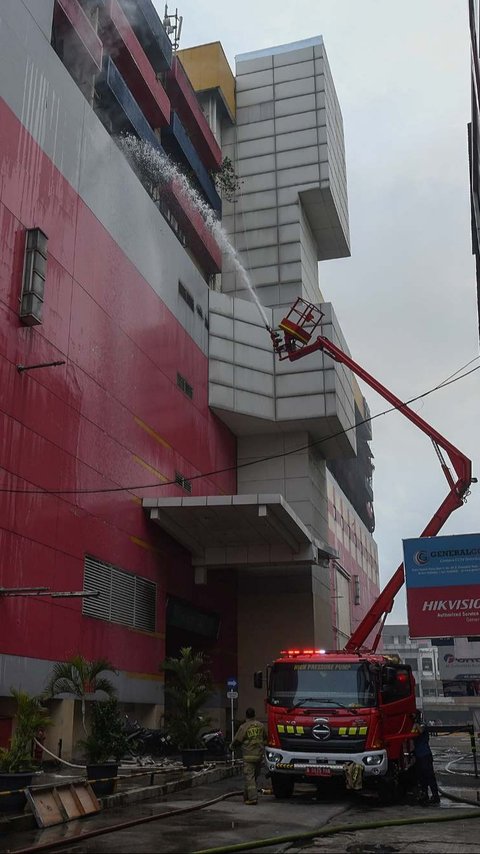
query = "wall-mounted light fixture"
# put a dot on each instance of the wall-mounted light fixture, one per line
(34, 272)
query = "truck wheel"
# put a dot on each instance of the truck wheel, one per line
(390, 786)
(282, 787)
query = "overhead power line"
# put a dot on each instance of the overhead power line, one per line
(237, 466)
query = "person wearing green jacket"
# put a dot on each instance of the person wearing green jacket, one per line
(251, 736)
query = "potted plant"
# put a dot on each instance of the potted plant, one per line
(17, 765)
(188, 687)
(82, 679)
(105, 745)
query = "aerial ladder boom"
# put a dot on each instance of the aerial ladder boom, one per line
(299, 327)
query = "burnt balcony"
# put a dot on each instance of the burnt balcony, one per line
(185, 103)
(150, 32)
(77, 43)
(132, 62)
(117, 108)
(176, 140)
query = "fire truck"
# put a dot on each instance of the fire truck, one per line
(349, 713)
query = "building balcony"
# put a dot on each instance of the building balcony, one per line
(199, 240)
(176, 138)
(118, 108)
(132, 62)
(120, 112)
(83, 42)
(150, 32)
(185, 102)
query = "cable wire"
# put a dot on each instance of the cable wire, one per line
(237, 466)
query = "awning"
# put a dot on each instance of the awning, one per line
(239, 531)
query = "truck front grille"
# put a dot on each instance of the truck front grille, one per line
(329, 745)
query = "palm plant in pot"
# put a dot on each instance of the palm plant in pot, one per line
(82, 679)
(17, 765)
(188, 686)
(105, 745)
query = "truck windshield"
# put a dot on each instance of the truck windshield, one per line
(306, 685)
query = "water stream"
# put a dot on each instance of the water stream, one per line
(157, 169)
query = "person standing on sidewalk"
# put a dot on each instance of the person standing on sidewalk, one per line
(252, 737)
(424, 764)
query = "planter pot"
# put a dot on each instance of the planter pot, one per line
(193, 756)
(14, 783)
(96, 774)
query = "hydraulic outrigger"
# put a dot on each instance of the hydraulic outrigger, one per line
(298, 329)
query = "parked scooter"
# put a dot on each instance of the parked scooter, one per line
(214, 741)
(144, 741)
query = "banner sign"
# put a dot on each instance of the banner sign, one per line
(442, 575)
(457, 669)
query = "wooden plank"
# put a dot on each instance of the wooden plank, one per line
(71, 804)
(58, 804)
(46, 807)
(87, 798)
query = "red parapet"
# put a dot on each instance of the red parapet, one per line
(131, 60)
(80, 23)
(200, 240)
(184, 100)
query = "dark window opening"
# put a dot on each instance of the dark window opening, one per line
(183, 482)
(186, 296)
(185, 386)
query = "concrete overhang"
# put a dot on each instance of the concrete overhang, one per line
(325, 222)
(238, 532)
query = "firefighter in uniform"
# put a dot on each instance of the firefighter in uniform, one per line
(252, 737)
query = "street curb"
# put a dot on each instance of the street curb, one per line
(189, 780)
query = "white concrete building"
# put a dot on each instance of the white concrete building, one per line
(284, 136)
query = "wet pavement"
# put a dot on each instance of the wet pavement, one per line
(228, 822)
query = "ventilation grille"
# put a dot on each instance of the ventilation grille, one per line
(124, 598)
(183, 482)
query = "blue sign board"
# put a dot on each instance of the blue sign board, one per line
(442, 561)
(232, 683)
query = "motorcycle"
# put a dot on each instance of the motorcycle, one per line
(143, 740)
(214, 741)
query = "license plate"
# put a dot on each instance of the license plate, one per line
(318, 772)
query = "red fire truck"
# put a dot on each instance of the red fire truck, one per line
(349, 713)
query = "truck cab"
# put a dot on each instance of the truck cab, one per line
(330, 712)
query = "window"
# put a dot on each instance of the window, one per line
(183, 482)
(412, 662)
(427, 665)
(356, 583)
(186, 296)
(185, 386)
(395, 684)
(402, 640)
(124, 598)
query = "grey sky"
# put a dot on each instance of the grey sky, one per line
(406, 297)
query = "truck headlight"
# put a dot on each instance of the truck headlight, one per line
(272, 756)
(376, 759)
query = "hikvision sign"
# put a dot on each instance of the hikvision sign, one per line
(443, 585)
(450, 604)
